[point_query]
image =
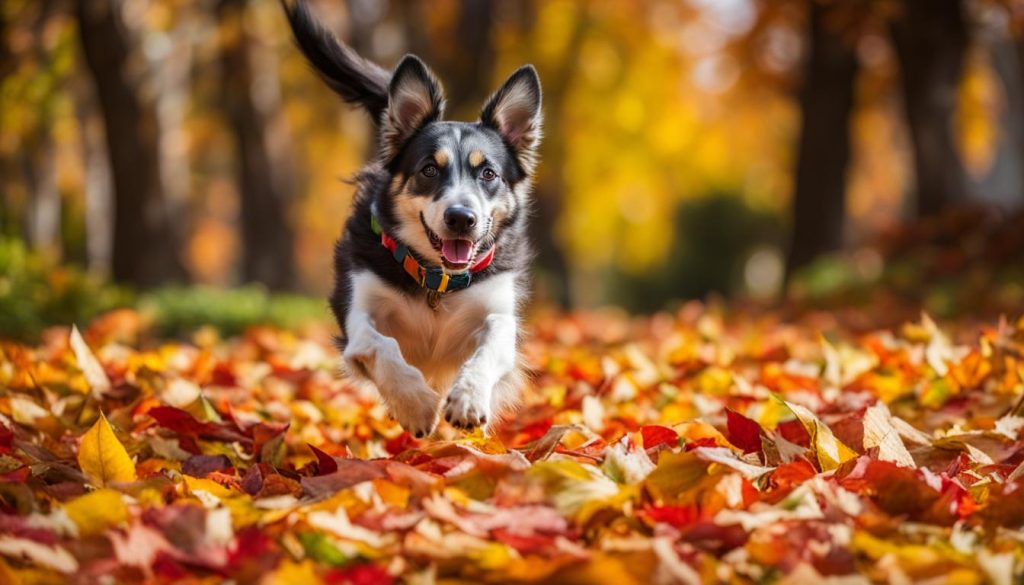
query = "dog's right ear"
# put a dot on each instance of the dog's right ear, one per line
(415, 99)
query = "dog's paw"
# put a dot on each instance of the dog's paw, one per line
(467, 406)
(415, 408)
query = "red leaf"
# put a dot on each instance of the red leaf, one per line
(677, 516)
(401, 443)
(367, 574)
(532, 432)
(743, 432)
(263, 433)
(794, 432)
(349, 473)
(901, 491)
(183, 423)
(223, 375)
(252, 483)
(203, 465)
(530, 543)
(790, 475)
(657, 435)
(325, 463)
(6, 439)
(702, 442)
(254, 554)
(19, 475)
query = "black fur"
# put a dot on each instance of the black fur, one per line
(355, 79)
(419, 137)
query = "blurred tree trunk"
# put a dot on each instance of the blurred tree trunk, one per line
(472, 70)
(264, 180)
(1016, 108)
(144, 246)
(554, 274)
(931, 40)
(826, 102)
(466, 67)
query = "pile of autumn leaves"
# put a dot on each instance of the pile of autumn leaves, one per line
(685, 448)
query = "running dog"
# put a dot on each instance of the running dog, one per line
(432, 268)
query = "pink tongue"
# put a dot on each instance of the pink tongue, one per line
(456, 251)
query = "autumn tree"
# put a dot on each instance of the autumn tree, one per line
(145, 247)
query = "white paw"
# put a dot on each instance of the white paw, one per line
(468, 406)
(415, 407)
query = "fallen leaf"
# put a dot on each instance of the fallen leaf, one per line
(103, 458)
(50, 557)
(830, 451)
(881, 434)
(99, 383)
(97, 511)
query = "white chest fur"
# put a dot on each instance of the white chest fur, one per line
(435, 341)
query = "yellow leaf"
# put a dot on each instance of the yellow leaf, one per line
(675, 474)
(831, 451)
(95, 512)
(493, 556)
(294, 573)
(103, 458)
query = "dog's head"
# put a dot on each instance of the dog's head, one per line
(454, 185)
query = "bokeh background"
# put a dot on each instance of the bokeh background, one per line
(774, 151)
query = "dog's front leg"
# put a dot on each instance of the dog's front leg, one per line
(469, 402)
(378, 357)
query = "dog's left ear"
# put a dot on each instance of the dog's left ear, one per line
(514, 111)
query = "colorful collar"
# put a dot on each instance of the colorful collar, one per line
(431, 278)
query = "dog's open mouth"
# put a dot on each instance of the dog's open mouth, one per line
(457, 254)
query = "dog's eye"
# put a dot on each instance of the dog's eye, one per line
(488, 174)
(429, 171)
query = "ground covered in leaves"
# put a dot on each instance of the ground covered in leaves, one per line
(686, 448)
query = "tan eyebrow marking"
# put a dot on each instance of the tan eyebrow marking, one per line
(441, 156)
(476, 158)
(397, 183)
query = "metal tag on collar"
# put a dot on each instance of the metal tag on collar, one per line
(433, 299)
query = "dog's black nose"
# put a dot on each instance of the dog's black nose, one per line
(459, 219)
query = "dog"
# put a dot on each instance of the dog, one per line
(431, 271)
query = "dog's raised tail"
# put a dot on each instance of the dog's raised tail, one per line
(355, 79)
